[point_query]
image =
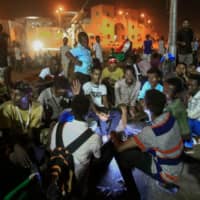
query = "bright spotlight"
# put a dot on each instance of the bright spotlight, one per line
(149, 21)
(37, 45)
(142, 15)
(120, 12)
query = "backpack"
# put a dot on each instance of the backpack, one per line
(61, 165)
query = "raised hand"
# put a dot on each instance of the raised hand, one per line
(76, 87)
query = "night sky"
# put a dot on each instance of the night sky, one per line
(17, 8)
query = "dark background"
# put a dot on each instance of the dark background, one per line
(156, 9)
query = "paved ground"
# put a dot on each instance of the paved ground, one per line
(189, 182)
(148, 188)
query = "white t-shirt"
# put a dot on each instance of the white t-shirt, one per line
(83, 154)
(64, 59)
(98, 51)
(96, 91)
(46, 72)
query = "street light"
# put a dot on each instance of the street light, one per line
(148, 21)
(60, 9)
(120, 12)
(142, 15)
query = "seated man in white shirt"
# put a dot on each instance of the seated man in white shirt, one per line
(72, 130)
(48, 74)
(96, 90)
(193, 111)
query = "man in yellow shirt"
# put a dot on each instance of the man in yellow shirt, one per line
(20, 122)
(112, 72)
(110, 75)
(21, 114)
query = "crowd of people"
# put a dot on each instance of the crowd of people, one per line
(65, 129)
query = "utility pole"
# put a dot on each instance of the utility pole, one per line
(173, 26)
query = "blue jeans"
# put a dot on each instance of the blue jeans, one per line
(105, 127)
(195, 131)
(194, 126)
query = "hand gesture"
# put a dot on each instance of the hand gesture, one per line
(76, 87)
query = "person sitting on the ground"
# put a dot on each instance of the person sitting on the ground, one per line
(160, 148)
(52, 70)
(106, 120)
(181, 72)
(48, 74)
(193, 110)
(155, 60)
(72, 130)
(5, 82)
(127, 90)
(55, 99)
(21, 114)
(112, 72)
(110, 75)
(21, 124)
(95, 90)
(173, 87)
(143, 65)
(154, 76)
(193, 70)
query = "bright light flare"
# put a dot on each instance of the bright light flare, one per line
(149, 21)
(37, 45)
(142, 15)
(120, 12)
(60, 9)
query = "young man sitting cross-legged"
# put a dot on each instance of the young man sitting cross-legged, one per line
(160, 148)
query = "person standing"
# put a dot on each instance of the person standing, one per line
(185, 37)
(161, 46)
(81, 58)
(98, 49)
(64, 60)
(147, 48)
(4, 70)
(3, 47)
(18, 57)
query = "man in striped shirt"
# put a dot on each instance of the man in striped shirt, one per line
(160, 147)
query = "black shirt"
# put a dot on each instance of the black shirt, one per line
(185, 35)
